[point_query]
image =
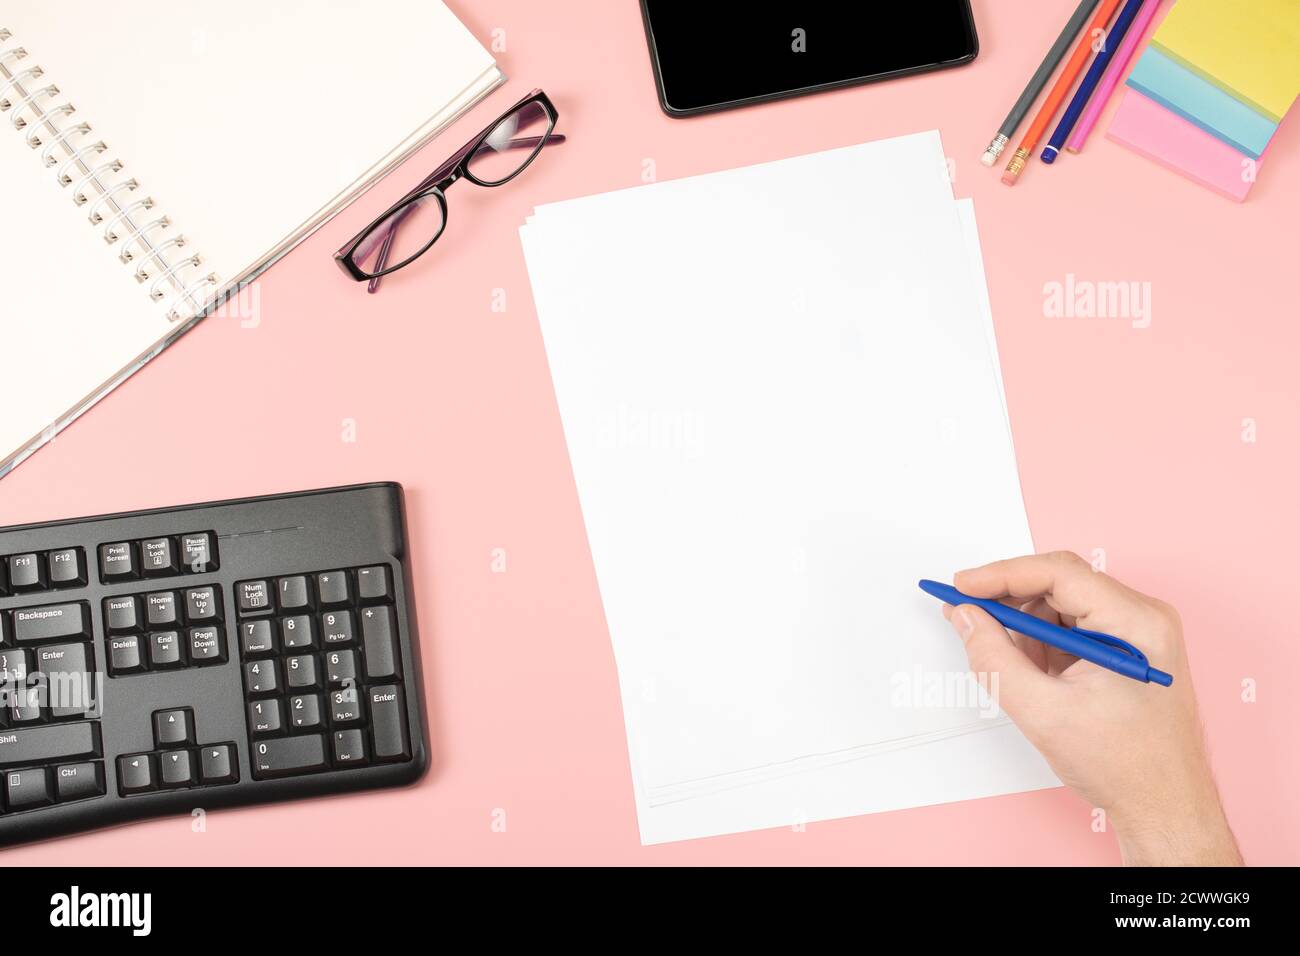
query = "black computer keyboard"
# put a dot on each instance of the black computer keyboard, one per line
(205, 656)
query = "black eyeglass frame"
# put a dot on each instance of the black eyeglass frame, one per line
(437, 183)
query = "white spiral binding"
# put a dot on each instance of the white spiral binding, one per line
(71, 148)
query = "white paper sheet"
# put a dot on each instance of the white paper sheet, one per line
(781, 396)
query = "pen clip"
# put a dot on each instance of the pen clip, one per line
(1113, 641)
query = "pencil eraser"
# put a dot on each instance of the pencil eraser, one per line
(1049, 155)
(1008, 179)
(989, 158)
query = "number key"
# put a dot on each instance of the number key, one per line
(301, 672)
(260, 677)
(341, 667)
(296, 632)
(264, 717)
(304, 711)
(336, 626)
(256, 637)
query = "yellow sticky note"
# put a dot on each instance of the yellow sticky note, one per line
(1249, 48)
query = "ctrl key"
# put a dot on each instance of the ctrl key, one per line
(75, 781)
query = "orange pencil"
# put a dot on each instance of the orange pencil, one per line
(1053, 102)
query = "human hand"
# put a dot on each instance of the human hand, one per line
(1136, 750)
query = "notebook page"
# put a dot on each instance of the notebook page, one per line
(247, 119)
(71, 315)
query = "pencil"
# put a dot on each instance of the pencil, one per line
(1111, 80)
(1039, 80)
(1054, 98)
(1110, 44)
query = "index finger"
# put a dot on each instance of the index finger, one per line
(1067, 582)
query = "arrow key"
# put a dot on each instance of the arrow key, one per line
(135, 773)
(304, 711)
(172, 727)
(176, 768)
(217, 764)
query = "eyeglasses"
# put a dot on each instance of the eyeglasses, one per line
(492, 158)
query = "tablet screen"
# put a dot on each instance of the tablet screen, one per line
(719, 53)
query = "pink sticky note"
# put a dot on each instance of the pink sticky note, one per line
(1149, 129)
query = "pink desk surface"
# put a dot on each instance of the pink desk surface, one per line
(1129, 439)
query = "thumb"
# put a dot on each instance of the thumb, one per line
(1017, 683)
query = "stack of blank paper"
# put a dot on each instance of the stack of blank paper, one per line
(782, 400)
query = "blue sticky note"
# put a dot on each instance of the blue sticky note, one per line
(1198, 101)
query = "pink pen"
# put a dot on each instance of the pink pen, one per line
(1108, 82)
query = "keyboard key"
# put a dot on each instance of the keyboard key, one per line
(135, 773)
(67, 568)
(76, 781)
(260, 677)
(293, 593)
(51, 622)
(202, 604)
(345, 706)
(304, 711)
(378, 634)
(124, 655)
(69, 678)
(165, 649)
(158, 557)
(117, 562)
(264, 717)
(256, 637)
(341, 667)
(296, 632)
(27, 703)
(253, 596)
(51, 742)
(388, 723)
(332, 586)
(26, 572)
(289, 755)
(373, 584)
(25, 789)
(300, 672)
(176, 769)
(336, 626)
(160, 609)
(199, 552)
(206, 646)
(217, 764)
(349, 747)
(122, 613)
(171, 727)
(14, 666)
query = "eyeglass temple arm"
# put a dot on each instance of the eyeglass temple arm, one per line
(390, 233)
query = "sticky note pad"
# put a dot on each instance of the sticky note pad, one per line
(1250, 48)
(1149, 129)
(1199, 101)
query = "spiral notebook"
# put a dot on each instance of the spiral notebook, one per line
(155, 157)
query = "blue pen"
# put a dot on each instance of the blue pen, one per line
(1103, 650)
(1114, 37)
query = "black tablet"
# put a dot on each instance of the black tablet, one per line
(715, 54)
